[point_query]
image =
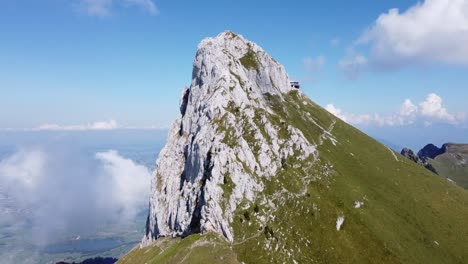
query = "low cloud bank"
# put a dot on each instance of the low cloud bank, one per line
(63, 193)
(98, 125)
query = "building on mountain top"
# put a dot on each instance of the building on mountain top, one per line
(295, 84)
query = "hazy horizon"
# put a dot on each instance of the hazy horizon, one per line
(120, 64)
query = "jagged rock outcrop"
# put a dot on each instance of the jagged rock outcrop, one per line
(421, 160)
(408, 153)
(225, 141)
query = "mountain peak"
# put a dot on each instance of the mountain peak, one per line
(229, 59)
(431, 151)
(227, 138)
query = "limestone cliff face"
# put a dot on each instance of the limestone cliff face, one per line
(223, 144)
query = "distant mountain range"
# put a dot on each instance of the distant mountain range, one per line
(449, 161)
(96, 260)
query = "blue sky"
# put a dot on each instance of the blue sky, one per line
(76, 62)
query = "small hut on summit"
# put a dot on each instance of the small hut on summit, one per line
(295, 84)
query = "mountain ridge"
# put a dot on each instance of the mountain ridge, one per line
(253, 165)
(449, 161)
(431, 151)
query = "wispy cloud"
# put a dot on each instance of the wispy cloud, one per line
(98, 125)
(105, 8)
(92, 126)
(99, 8)
(353, 64)
(127, 180)
(314, 64)
(430, 111)
(434, 31)
(147, 5)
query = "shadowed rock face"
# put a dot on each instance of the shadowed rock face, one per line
(408, 153)
(431, 151)
(209, 164)
(97, 260)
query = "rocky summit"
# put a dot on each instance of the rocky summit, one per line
(253, 171)
(224, 143)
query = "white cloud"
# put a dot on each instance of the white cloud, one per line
(313, 65)
(431, 31)
(430, 110)
(352, 64)
(104, 8)
(408, 108)
(98, 125)
(129, 181)
(93, 126)
(24, 167)
(63, 192)
(362, 119)
(335, 111)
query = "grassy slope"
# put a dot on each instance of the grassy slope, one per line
(449, 165)
(208, 248)
(408, 216)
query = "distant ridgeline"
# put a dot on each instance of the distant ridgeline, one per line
(97, 260)
(449, 161)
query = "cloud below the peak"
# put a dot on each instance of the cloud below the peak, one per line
(98, 125)
(352, 64)
(67, 192)
(429, 111)
(314, 64)
(105, 125)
